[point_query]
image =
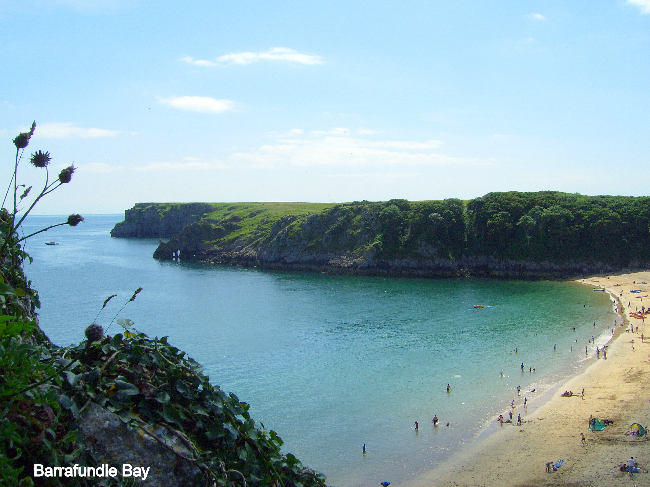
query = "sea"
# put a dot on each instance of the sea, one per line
(341, 367)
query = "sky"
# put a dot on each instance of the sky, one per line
(324, 101)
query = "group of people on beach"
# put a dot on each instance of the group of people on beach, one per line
(435, 422)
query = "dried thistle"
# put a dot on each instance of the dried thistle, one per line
(40, 159)
(74, 220)
(65, 176)
(22, 140)
(94, 333)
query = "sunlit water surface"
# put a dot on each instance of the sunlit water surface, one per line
(332, 362)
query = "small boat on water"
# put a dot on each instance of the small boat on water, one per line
(479, 306)
(51, 242)
(599, 289)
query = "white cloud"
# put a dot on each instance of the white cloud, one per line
(538, 16)
(644, 5)
(191, 165)
(198, 104)
(336, 148)
(364, 131)
(274, 54)
(334, 131)
(64, 130)
(100, 167)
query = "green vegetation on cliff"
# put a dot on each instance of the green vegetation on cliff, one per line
(512, 234)
(118, 400)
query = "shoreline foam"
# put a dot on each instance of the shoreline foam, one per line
(616, 388)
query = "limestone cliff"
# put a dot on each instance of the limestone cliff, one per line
(503, 235)
(159, 221)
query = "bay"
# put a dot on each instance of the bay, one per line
(332, 363)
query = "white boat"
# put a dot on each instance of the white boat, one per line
(51, 242)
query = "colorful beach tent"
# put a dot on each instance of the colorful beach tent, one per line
(636, 430)
(596, 425)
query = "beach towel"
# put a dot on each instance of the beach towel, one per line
(558, 464)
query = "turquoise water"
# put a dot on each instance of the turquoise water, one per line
(333, 362)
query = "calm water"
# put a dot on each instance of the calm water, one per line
(332, 362)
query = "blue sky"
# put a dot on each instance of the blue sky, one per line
(325, 100)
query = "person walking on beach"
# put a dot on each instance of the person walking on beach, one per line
(519, 420)
(584, 442)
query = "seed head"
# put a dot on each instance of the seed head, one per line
(66, 175)
(94, 333)
(74, 220)
(40, 159)
(22, 140)
(137, 291)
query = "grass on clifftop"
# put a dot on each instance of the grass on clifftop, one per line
(253, 217)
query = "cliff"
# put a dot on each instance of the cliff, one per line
(503, 235)
(159, 221)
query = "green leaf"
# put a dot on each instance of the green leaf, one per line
(126, 388)
(7, 290)
(71, 377)
(162, 397)
(170, 414)
(125, 323)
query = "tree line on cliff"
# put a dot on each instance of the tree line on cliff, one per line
(531, 227)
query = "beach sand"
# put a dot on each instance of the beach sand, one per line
(616, 388)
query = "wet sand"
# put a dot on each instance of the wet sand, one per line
(616, 388)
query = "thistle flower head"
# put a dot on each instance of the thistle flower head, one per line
(94, 333)
(65, 176)
(22, 140)
(74, 220)
(40, 159)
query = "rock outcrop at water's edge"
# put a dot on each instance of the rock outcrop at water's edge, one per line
(543, 235)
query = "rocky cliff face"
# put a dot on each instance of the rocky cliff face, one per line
(345, 240)
(156, 220)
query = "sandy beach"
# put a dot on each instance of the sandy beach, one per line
(616, 388)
